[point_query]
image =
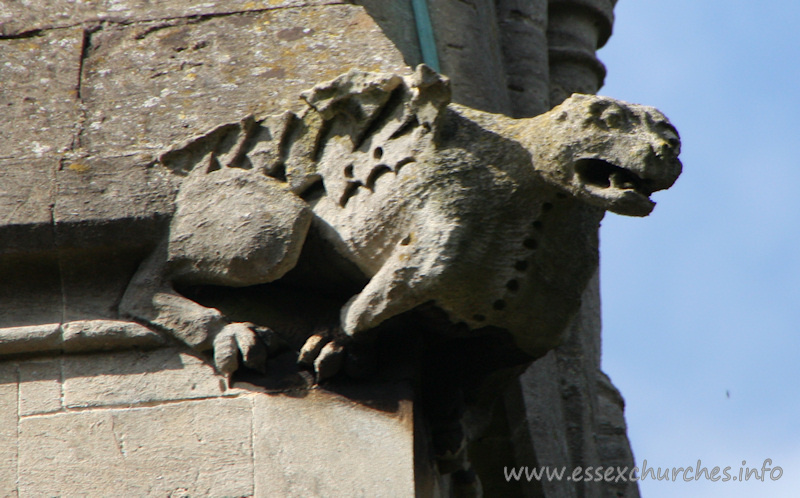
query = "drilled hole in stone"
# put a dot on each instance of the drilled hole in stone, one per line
(512, 285)
(521, 265)
(377, 153)
(406, 240)
(348, 171)
(479, 318)
(530, 243)
(499, 305)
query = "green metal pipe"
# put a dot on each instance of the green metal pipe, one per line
(427, 43)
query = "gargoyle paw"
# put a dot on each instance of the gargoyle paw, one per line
(328, 356)
(323, 355)
(237, 339)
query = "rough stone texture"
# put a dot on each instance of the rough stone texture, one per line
(575, 30)
(61, 88)
(523, 35)
(86, 335)
(296, 434)
(27, 194)
(23, 17)
(99, 335)
(120, 91)
(130, 378)
(466, 47)
(128, 426)
(40, 77)
(40, 387)
(30, 339)
(9, 413)
(151, 87)
(198, 448)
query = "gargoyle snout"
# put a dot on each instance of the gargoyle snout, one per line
(663, 167)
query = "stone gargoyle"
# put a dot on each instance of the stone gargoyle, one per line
(482, 215)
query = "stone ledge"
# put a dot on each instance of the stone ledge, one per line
(77, 336)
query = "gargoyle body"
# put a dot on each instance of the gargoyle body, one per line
(427, 202)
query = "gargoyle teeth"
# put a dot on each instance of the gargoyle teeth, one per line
(599, 174)
(618, 180)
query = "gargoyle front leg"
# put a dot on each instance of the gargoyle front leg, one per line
(396, 288)
(151, 298)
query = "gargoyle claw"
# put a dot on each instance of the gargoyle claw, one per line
(311, 349)
(323, 355)
(235, 339)
(330, 361)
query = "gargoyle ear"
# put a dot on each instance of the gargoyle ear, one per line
(358, 94)
(597, 106)
(431, 93)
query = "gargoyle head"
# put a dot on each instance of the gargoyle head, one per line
(608, 153)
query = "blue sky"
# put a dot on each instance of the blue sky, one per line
(703, 297)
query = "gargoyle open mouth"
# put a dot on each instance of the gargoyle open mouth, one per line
(618, 189)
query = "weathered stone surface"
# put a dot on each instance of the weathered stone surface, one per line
(201, 447)
(9, 413)
(27, 195)
(131, 377)
(543, 428)
(575, 30)
(324, 445)
(42, 85)
(85, 335)
(30, 339)
(21, 17)
(40, 77)
(39, 387)
(153, 86)
(613, 446)
(522, 27)
(395, 19)
(111, 201)
(99, 335)
(466, 47)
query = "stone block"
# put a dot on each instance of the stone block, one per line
(21, 17)
(136, 377)
(325, 445)
(150, 86)
(116, 202)
(26, 200)
(196, 448)
(39, 387)
(40, 76)
(9, 413)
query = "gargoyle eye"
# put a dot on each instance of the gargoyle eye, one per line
(613, 117)
(670, 135)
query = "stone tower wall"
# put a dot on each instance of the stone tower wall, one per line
(93, 404)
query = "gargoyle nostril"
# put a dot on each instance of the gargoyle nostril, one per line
(667, 148)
